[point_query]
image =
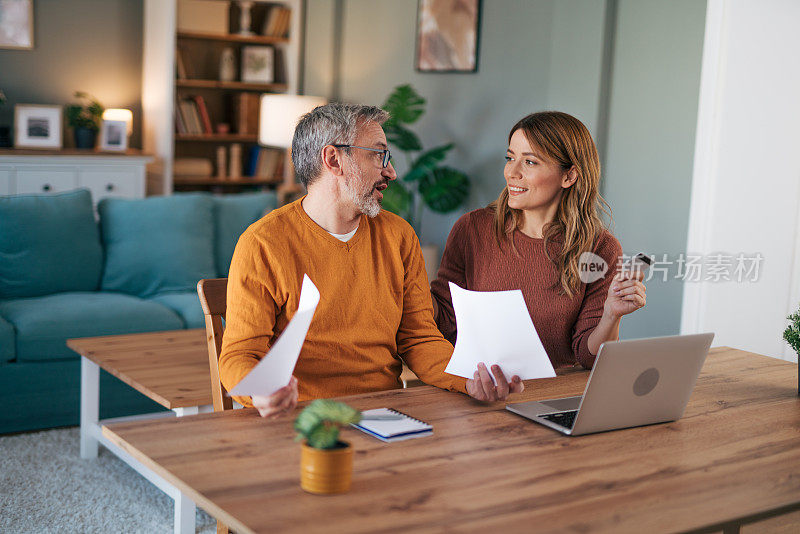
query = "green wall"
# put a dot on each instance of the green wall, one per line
(79, 45)
(647, 172)
(519, 72)
(634, 82)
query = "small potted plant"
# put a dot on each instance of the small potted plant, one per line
(326, 464)
(85, 117)
(792, 337)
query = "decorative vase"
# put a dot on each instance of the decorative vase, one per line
(85, 138)
(326, 471)
(227, 66)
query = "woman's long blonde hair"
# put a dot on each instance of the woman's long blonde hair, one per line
(564, 140)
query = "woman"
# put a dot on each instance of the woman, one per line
(532, 238)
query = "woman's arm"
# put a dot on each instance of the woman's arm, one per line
(452, 269)
(605, 301)
(626, 294)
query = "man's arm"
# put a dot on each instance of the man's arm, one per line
(419, 341)
(250, 315)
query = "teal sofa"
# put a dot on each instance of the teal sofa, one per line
(66, 272)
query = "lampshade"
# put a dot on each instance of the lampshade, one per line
(120, 115)
(279, 115)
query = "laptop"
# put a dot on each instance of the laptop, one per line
(633, 383)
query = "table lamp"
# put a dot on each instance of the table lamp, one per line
(278, 117)
(120, 115)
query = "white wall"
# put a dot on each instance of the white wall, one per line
(746, 188)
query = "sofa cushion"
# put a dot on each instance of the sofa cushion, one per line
(232, 215)
(37, 395)
(7, 341)
(157, 244)
(43, 324)
(48, 244)
(186, 304)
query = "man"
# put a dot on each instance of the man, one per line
(375, 304)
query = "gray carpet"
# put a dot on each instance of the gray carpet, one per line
(45, 487)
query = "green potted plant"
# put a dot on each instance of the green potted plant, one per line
(326, 463)
(425, 182)
(85, 118)
(792, 337)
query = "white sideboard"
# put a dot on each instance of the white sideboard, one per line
(104, 174)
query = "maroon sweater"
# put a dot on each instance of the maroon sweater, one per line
(473, 261)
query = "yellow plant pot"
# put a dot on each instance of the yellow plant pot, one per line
(326, 471)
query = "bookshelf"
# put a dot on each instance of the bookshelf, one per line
(191, 114)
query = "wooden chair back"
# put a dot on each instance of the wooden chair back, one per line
(213, 297)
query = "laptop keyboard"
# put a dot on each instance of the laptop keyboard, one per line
(565, 419)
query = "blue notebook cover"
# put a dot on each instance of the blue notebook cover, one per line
(392, 430)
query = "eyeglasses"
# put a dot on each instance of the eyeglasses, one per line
(387, 155)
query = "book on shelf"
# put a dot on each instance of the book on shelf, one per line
(191, 117)
(264, 163)
(180, 65)
(276, 23)
(192, 168)
(203, 112)
(204, 16)
(180, 126)
(246, 109)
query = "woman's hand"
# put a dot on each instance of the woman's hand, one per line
(626, 294)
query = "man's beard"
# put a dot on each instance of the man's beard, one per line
(362, 198)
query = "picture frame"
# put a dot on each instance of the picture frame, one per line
(37, 126)
(114, 136)
(258, 64)
(16, 24)
(448, 36)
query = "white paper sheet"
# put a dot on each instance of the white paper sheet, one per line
(275, 369)
(494, 327)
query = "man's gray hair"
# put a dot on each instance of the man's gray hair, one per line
(333, 124)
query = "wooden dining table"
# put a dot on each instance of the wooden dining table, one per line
(733, 458)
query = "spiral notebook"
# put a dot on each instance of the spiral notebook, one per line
(393, 430)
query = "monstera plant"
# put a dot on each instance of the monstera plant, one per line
(426, 181)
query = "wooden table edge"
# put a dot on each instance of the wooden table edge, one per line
(716, 528)
(76, 345)
(198, 498)
(220, 514)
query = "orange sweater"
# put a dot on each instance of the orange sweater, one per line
(374, 305)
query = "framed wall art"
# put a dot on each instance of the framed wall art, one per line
(447, 35)
(114, 136)
(258, 64)
(16, 24)
(37, 126)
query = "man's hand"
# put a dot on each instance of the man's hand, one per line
(482, 388)
(283, 400)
